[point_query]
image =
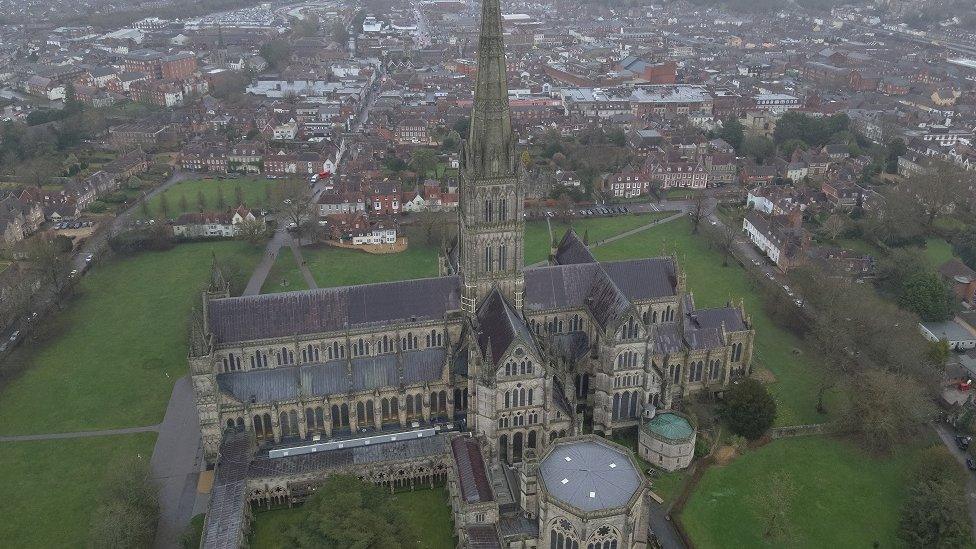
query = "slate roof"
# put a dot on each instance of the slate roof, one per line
(572, 250)
(589, 474)
(500, 325)
(470, 466)
(482, 536)
(332, 309)
(225, 516)
(334, 377)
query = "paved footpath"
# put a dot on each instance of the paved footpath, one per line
(176, 464)
(614, 238)
(267, 262)
(296, 250)
(81, 434)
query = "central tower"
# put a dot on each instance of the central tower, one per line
(492, 189)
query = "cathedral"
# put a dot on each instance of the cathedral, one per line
(516, 359)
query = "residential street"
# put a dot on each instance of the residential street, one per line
(946, 434)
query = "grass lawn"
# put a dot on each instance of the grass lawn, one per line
(667, 485)
(937, 251)
(713, 285)
(427, 510)
(843, 498)
(599, 228)
(342, 267)
(254, 190)
(111, 357)
(284, 275)
(49, 488)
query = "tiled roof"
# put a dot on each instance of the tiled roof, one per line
(470, 466)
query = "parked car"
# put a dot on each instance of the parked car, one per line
(963, 441)
(32, 317)
(74, 273)
(3, 347)
(89, 258)
(971, 463)
(14, 336)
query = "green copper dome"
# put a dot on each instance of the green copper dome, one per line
(670, 426)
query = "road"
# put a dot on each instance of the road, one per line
(92, 246)
(947, 438)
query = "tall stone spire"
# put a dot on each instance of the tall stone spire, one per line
(492, 193)
(490, 150)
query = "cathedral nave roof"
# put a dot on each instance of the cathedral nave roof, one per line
(267, 316)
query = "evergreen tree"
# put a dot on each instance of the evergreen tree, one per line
(749, 409)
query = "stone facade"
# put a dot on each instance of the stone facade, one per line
(513, 357)
(667, 441)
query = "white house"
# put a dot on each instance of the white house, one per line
(415, 204)
(760, 203)
(212, 224)
(286, 131)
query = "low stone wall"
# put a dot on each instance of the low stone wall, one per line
(800, 430)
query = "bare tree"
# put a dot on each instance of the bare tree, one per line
(294, 203)
(431, 224)
(698, 212)
(564, 208)
(252, 231)
(834, 226)
(51, 261)
(774, 505)
(938, 190)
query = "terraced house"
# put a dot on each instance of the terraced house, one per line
(514, 357)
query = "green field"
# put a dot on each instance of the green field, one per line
(843, 498)
(598, 228)
(937, 251)
(284, 275)
(427, 510)
(254, 189)
(341, 267)
(796, 383)
(49, 488)
(111, 357)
